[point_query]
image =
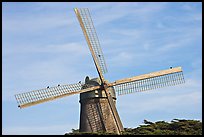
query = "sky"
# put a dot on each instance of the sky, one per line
(43, 45)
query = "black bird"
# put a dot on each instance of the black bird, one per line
(80, 82)
(170, 67)
(58, 85)
(48, 87)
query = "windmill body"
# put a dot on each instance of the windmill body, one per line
(95, 113)
(98, 96)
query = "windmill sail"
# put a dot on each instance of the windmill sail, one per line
(43, 95)
(149, 81)
(88, 28)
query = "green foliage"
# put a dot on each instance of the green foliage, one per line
(175, 127)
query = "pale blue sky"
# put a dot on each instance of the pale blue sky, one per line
(43, 45)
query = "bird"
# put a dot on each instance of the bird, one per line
(47, 86)
(58, 85)
(80, 82)
(170, 67)
(87, 79)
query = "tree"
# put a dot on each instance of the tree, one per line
(175, 127)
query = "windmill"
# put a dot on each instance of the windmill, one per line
(98, 96)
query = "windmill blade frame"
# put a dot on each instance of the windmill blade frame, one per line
(149, 81)
(90, 34)
(44, 95)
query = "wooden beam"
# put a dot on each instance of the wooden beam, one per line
(89, 45)
(115, 112)
(145, 76)
(57, 97)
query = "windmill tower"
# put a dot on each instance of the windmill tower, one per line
(98, 96)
